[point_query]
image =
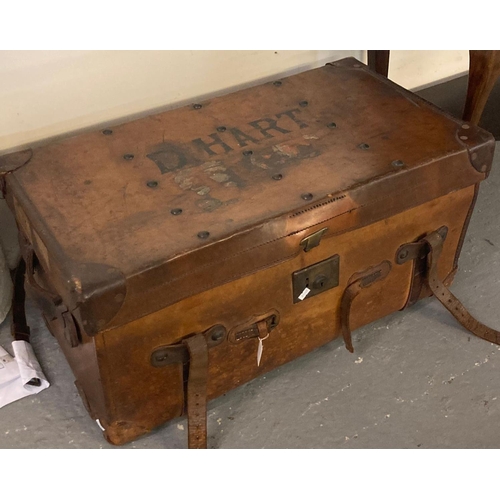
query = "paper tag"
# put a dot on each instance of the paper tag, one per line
(259, 351)
(20, 375)
(304, 293)
(5, 358)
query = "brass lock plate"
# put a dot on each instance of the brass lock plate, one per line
(316, 279)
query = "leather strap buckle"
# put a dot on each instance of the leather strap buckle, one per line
(428, 250)
(193, 351)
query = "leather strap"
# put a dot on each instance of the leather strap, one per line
(20, 329)
(441, 292)
(50, 303)
(358, 282)
(197, 390)
(263, 329)
(350, 293)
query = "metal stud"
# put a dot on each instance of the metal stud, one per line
(364, 146)
(203, 235)
(107, 131)
(197, 106)
(397, 163)
(277, 83)
(403, 254)
(277, 177)
(443, 232)
(463, 137)
(247, 153)
(303, 104)
(217, 334)
(332, 125)
(152, 184)
(128, 156)
(221, 129)
(176, 211)
(307, 196)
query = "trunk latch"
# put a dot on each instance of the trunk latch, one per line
(315, 279)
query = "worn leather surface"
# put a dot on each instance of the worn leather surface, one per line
(143, 403)
(102, 213)
(129, 405)
(88, 208)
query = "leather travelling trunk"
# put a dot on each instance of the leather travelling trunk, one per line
(178, 256)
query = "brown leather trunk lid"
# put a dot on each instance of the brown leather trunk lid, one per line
(128, 221)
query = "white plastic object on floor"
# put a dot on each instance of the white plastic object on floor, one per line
(21, 375)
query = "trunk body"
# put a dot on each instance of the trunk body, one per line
(260, 207)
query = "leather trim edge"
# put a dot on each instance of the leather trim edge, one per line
(480, 146)
(465, 227)
(13, 161)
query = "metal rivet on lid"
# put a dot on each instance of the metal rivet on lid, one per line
(332, 125)
(128, 156)
(247, 153)
(303, 103)
(307, 196)
(107, 131)
(364, 146)
(397, 163)
(465, 126)
(221, 129)
(152, 184)
(277, 177)
(203, 235)
(277, 83)
(197, 106)
(176, 211)
(463, 137)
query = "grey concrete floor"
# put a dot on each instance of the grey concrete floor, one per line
(416, 380)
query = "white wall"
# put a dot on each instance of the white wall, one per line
(49, 93)
(416, 69)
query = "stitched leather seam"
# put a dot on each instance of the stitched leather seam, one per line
(225, 259)
(281, 259)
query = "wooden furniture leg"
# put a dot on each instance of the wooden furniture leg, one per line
(378, 60)
(484, 70)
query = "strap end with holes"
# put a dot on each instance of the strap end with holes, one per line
(197, 391)
(455, 307)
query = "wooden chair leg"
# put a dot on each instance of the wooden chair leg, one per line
(484, 71)
(378, 61)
